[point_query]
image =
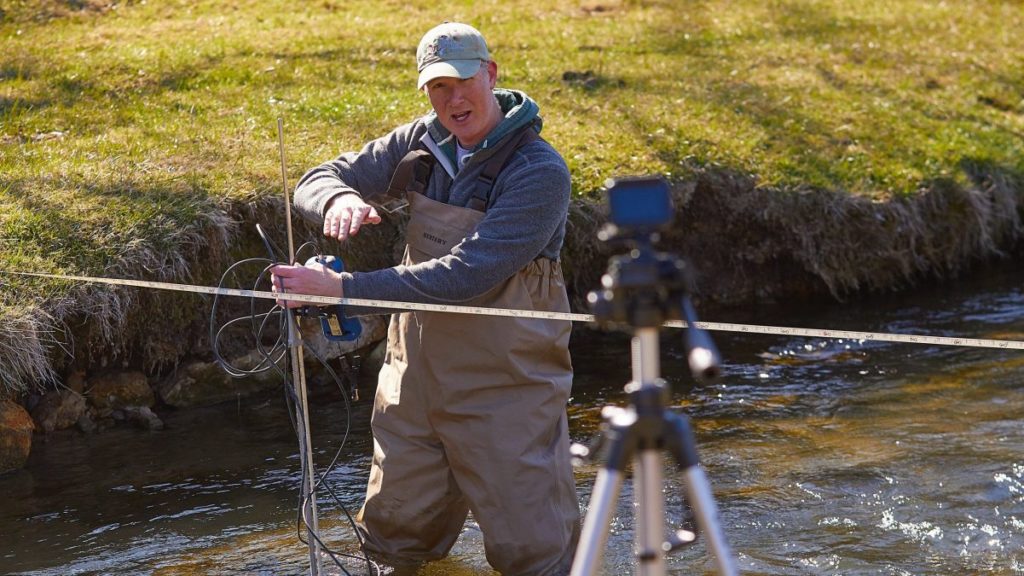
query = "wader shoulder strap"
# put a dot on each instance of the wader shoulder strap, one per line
(496, 163)
(413, 171)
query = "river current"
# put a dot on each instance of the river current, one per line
(824, 456)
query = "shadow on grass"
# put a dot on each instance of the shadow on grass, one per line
(988, 175)
(43, 10)
(159, 222)
(11, 107)
(795, 19)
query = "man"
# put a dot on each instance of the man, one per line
(469, 413)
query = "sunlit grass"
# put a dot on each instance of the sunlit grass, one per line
(873, 97)
(132, 122)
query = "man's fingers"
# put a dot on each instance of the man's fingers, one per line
(293, 275)
(277, 276)
(372, 216)
(363, 215)
(336, 224)
(357, 221)
(289, 303)
(342, 221)
(368, 215)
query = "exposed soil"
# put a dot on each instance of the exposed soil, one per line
(747, 246)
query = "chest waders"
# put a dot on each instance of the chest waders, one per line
(469, 415)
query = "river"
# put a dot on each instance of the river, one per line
(825, 457)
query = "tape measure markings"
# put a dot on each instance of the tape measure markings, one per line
(541, 314)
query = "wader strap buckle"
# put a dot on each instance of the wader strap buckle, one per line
(412, 174)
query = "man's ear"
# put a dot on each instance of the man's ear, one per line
(492, 73)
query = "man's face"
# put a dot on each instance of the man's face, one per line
(467, 108)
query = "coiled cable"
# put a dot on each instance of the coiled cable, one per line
(275, 357)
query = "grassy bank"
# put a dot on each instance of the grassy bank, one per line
(133, 133)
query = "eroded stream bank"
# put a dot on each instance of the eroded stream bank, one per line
(748, 246)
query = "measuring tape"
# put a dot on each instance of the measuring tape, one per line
(538, 314)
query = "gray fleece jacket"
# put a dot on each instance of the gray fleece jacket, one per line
(524, 219)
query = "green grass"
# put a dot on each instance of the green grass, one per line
(868, 96)
(124, 126)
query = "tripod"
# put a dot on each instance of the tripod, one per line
(643, 290)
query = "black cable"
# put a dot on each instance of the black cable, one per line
(271, 359)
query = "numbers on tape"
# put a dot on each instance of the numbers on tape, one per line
(543, 315)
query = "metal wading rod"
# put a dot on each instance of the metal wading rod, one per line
(483, 311)
(309, 513)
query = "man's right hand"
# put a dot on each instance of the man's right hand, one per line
(346, 214)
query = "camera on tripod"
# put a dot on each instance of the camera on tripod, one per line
(641, 290)
(645, 288)
(639, 206)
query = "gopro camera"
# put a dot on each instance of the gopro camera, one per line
(639, 204)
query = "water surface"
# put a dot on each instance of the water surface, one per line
(825, 456)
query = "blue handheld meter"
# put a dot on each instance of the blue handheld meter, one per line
(335, 325)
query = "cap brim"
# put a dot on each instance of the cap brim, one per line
(449, 69)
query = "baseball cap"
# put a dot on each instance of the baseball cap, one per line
(451, 49)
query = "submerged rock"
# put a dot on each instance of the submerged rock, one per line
(86, 424)
(118, 390)
(206, 383)
(58, 410)
(144, 418)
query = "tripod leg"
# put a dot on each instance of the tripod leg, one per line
(699, 490)
(650, 526)
(594, 536)
(619, 440)
(684, 448)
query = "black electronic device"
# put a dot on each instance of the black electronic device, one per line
(639, 204)
(336, 326)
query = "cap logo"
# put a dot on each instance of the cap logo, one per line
(441, 48)
(443, 45)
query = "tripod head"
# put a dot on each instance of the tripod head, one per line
(644, 288)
